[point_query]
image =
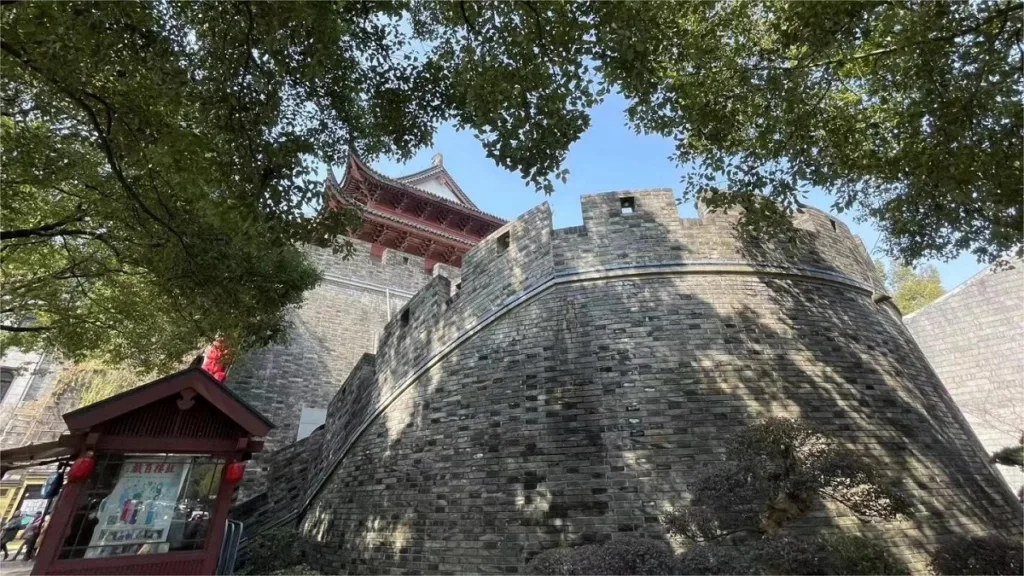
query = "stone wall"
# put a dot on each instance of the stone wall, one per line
(288, 473)
(972, 337)
(339, 321)
(577, 379)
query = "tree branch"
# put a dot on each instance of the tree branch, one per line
(720, 535)
(849, 506)
(104, 141)
(44, 230)
(939, 38)
(6, 328)
(465, 18)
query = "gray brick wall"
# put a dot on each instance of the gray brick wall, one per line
(287, 477)
(973, 338)
(339, 321)
(577, 380)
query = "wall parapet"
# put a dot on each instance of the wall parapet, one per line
(624, 234)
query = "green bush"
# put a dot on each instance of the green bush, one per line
(979, 555)
(860, 555)
(719, 559)
(775, 472)
(619, 556)
(557, 561)
(297, 570)
(272, 551)
(839, 554)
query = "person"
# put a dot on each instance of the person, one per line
(42, 531)
(11, 529)
(31, 536)
(82, 527)
(195, 532)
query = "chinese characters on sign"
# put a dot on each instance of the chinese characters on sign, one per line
(136, 517)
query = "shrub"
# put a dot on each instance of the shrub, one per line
(272, 551)
(838, 554)
(824, 555)
(775, 472)
(558, 561)
(979, 555)
(719, 559)
(297, 570)
(619, 556)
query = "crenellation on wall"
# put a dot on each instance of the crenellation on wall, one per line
(820, 221)
(412, 334)
(566, 385)
(438, 314)
(491, 274)
(453, 274)
(603, 214)
(653, 234)
(489, 277)
(357, 397)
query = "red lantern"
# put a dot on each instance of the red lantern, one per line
(234, 472)
(81, 469)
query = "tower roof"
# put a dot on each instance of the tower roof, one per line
(438, 181)
(424, 213)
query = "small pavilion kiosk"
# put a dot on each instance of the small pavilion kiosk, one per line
(152, 478)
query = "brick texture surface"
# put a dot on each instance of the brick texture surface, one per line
(569, 385)
(338, 322)
(973, 339)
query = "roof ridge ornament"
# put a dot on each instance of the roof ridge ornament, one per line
(437, 160)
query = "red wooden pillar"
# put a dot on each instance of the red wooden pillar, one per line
(60, 518)
(215, 529)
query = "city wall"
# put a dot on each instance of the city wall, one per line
(338, 322)
(567, 387)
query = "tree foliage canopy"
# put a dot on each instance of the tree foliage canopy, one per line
(1009, 456)
(912, 288)
(89, 382)
(905, 111)
(158, 157)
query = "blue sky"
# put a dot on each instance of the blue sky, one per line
(608, 157)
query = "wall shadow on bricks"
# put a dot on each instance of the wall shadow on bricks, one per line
(868, 384)
(824, 353)
(817, 351)
(583, 413)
